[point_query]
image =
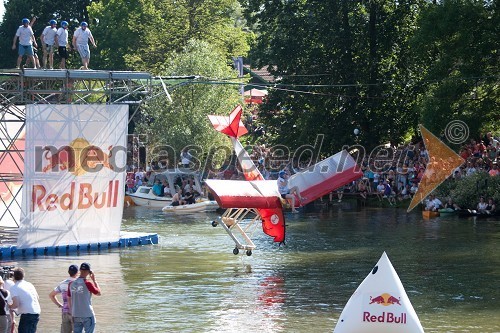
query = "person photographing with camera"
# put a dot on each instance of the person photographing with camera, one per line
(79, 295)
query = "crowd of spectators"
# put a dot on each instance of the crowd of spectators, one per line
(390, 173)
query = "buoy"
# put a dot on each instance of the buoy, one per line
(379, 305)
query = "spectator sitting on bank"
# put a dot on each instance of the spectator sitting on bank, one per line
(490, 207)
(380, 190)
(404, 193)
(481, 206)
(494, 170)
(362, 188)
(414, 188)
(388, 193)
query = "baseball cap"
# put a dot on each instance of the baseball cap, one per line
(73, 269)
(85, 266)
(281, 173)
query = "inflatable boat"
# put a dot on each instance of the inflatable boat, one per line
(198, 207)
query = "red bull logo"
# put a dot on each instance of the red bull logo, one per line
(79, 157)
(385, 299)
(79, 196)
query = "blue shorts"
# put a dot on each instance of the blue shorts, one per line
(84, 51)
(25, 49)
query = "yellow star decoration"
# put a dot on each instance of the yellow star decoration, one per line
(442, 162)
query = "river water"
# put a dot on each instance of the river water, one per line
(191, 281)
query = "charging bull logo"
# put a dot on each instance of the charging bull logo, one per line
(78, 158)
(385, 300)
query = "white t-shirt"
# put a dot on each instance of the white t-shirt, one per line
(82, 36)
(62, 36)
(8, 284)
(24, 34)
(48, 35)
(27, 297)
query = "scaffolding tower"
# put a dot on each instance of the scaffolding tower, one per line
(31, 86)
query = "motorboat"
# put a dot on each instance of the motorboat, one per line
(198, 207)
(144, 195)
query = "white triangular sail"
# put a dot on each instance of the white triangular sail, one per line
(379, 305)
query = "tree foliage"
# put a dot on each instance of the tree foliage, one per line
(143, 34)
(340, 64)
(184, 122)
(380, 66)
(457, 51)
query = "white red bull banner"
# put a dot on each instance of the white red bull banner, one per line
(74, 175)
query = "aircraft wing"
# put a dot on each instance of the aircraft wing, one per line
(326, 176)
(245, 194)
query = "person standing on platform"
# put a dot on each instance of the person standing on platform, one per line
(80, 294)
(61, 41)
(25, 302)
(48, 43)
(81, 43)
(62, 288)
(26, 42)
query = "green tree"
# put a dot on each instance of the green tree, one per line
(141, 35)
(456, 47)
(184, 122)
(342, 64)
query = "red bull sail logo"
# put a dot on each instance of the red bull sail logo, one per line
(79, 157)
(385, 300)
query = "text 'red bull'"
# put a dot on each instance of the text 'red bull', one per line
(80, 196)
(385, 317)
